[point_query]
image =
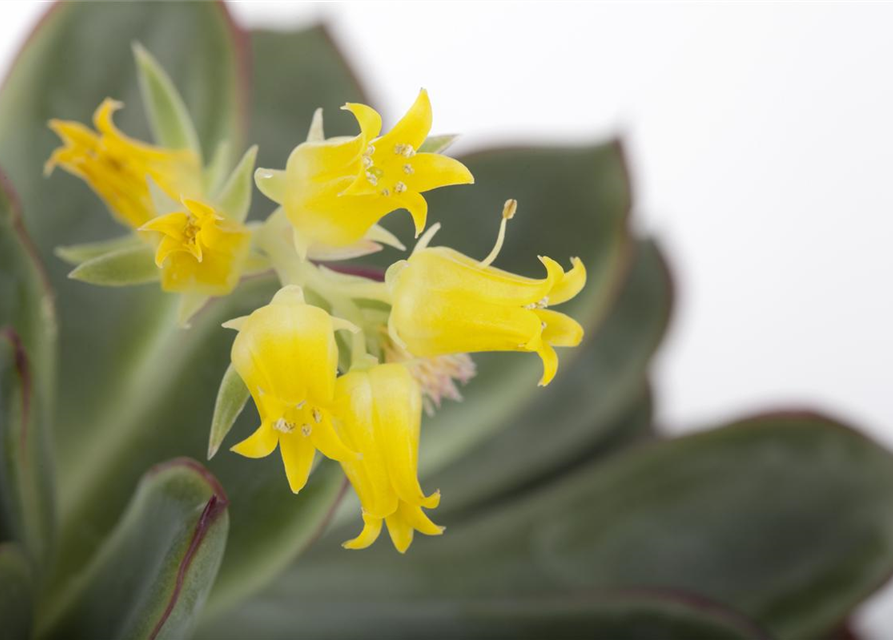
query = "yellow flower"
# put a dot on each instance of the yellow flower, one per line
(199, 250)
(116, 167)
(333, 191)
(286, 354)
(445, 302)
(379, 416)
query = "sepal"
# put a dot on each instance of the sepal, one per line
(124, 267)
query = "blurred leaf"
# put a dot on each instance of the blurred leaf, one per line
(26, 298)
(26, 498)
(16, 594)
(231, 399)
(77, 253)
(168, 116)
(786, 517)
(154, 572)
(596, 614)
(79, 55)
(120, 268)
(587, 409)
(277, 527)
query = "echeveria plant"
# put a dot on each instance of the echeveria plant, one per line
(147, 293)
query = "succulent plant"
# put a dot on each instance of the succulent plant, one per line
(567, 513)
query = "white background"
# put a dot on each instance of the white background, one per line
(760, 139)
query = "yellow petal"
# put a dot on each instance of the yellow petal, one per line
(433, 170)
(550, 363)
(421, 522)
(369, 534)
(560, 330)
(417, 206)
(570, 284)
(367, 117)
(166, 247)
(297, 456)
(327, 441)
(259, 444)
(400, 530)
(413, 127)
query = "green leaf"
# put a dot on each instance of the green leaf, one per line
(437, 144)
(26, 489)
(788, 518)
(16, 593)
(633, 615)
(26, 297)
(168, 116)
(234, 199)
(277, 527)
(154, 571)
(107, 335)
(78, 253)
(231, 399)
(121, 268)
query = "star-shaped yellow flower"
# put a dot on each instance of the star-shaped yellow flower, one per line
(199, 251)
(117, 167)
(333, 191)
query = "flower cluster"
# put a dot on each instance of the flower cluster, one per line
(405, 338)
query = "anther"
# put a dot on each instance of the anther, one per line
(317, 415)
(306, 430)
(369, 150)
(367, 162)
(372, 178)
(408, 170)
(385, 192)
(399, 187)
(301, 404)
(284, 426)
(407, 151)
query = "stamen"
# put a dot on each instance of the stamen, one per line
(306, 430)
(372, 178)
(408, 170)
(508, 212)
(369, 150)
(385, 192)
(398, 149)
(284, 426)
(407, 151)
(399, 187)
(317, 415)
(301, 404)
(367, 162)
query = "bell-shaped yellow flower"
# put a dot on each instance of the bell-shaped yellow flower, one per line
(116, 167)
(445, 302)
(379, 413)
(333, 191)
(199, 250)
(286, 354)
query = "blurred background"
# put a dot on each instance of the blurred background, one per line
(760, 143)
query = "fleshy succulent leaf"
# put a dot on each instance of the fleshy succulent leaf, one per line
(155, 569)
(785, 517)
(231, 399)
(167, 113)
(16, 593)
(121, 268)
(618, 615)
